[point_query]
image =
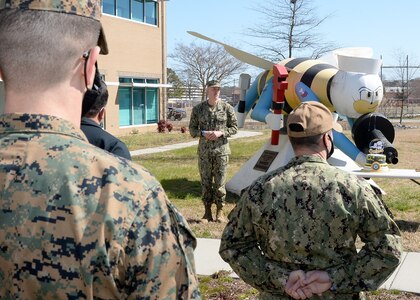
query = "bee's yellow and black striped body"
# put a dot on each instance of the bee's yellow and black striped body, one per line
(314, 73)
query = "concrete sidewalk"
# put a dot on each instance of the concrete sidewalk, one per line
(405, 277)
(240, 134)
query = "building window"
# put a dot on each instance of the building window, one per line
(145, 11)
(108, 7)
(138, 103)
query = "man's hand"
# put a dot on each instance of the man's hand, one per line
(317, 281)
(301, 285)
(294, 285)
(213, 135)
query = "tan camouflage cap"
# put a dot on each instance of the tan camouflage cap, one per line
(84, 8)
(213, 83)
(311, 118)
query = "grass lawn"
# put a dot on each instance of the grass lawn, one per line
(178, 172)
(147, 140)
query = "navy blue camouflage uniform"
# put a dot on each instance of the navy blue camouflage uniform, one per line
(306, 216)
(213, 155)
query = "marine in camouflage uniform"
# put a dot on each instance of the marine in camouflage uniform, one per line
(77, 222)
(80, 223)
(213, 154)
(306, 216)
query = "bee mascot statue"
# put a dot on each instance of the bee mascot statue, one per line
(346, 80)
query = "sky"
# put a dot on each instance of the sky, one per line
(388, 27)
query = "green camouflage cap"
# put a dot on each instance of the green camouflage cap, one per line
(84, 8)
(213, 83)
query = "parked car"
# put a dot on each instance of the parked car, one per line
(176, 114)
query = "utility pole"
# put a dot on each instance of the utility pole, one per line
(404, 88)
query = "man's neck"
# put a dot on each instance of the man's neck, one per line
(213, 101)
(94, 119)
(315, 151)
(65, 104)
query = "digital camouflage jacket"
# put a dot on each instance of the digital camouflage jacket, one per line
(79, 223)
(207, 118)
(306, 216)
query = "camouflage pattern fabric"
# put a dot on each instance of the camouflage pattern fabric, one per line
(213, 170)
(86, 8)
(306, 216)
(213, 155)
(219, 117)
(79, 223)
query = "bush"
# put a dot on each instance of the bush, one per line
(184, 129)
(163, 126)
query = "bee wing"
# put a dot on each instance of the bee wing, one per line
(353, 59)
(239, 54)
(332, 57)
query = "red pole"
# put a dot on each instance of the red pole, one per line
(279, 87)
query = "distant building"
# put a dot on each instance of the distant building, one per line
(135, 68)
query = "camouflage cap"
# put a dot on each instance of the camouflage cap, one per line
(213, 83)
(311, 118)
(84, 8)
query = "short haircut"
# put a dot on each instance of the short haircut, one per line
(39, 49)
(309, 141)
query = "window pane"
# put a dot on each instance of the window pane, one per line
(136, 80)
(124, 99)
(138, 106)
(123, 8)
(152, 105)
(152, 80)
(108, 7)
(137, 10)
(125, 80)
(151, 12)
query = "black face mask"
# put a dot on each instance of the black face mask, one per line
(92, 94)
(331, 151)
(97, 89)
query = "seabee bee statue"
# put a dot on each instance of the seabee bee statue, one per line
(346, 81)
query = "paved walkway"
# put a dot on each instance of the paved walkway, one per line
(405, 278)
(240, 134)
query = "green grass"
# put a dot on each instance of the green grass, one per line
(136, 141)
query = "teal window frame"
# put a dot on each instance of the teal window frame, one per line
(138, 102)
(144, 11)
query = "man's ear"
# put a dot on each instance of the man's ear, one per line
(90, 65)
(101, 114)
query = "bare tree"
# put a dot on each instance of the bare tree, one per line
(176, 91)
(404, 73)
(287, 26)
(197, 64)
